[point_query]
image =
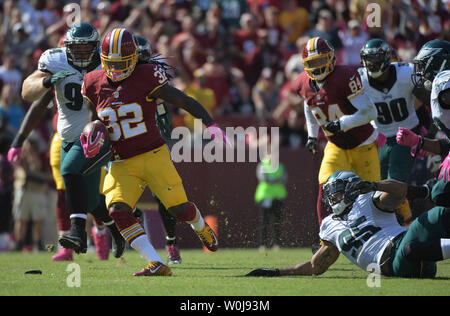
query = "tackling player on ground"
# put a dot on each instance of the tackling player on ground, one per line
(124, 95)
(364, 228)
(336, 102)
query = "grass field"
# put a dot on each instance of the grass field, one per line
(202, 274)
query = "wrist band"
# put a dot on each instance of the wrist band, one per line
(46, 82)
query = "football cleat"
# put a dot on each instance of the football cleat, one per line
(77, 244)
(101, 244)
(173, 255)
(208, 238)
(63, 255)
(155, 268)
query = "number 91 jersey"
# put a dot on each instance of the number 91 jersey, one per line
(72, 112)
(364, 234)
(127, 108)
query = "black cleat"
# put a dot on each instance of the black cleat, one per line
(73, 242)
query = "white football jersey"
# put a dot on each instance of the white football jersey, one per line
(441, 82)
(395, 105)
(364, 234)
(73, 114)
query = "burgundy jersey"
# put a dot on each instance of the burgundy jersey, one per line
(331, 102)
(127, 108)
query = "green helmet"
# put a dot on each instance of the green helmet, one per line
(144, 50)
(334, 193)
(82, 45)
(433, 57)
(376, 57)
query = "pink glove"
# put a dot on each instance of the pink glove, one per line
(408, 138)
(381, 140)
(14, 154)
(445, 169)
(91, 146)
(217, 133)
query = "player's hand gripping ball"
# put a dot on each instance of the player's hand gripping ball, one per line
(93, 137)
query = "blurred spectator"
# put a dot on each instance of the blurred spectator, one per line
(353, 39)
(9, 74)
(265, 96)
(244, 42)
(295, 61)
(232, 12)
(30, 188)
(326, 28)
(11, 109)
(198, 90)
(289, 114)
(217, 79)
(294, 20)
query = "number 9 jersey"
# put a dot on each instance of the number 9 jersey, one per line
(127, 108)
(72, 112)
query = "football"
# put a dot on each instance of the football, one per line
(95, 127)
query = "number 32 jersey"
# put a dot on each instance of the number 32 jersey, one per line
(127, 108)
(363, 236)
(394, 99)
(72, 111)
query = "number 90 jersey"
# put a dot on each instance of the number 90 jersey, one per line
(72, 112)
(394, 100)
(364, 234)
(127, 108)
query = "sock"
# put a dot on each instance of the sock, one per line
(62, 214)
(142, 245)
(198, 224)
(171, 241)
(100, 231)
(445, 247)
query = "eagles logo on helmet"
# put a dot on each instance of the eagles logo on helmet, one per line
(318, 58)
(119, 54)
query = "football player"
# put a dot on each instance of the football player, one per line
(364, 228)
(336, 101)
(390, 88)
(432, 72)
(123, 95)
(61, 69)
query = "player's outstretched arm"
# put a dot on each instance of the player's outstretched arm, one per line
(178, 98)
(322, 260)
(33, 116)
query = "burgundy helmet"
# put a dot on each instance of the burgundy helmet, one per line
(318, 58)
(119, 54)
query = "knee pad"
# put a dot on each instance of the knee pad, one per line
(185, 212)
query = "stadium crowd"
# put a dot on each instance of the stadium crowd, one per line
(238, 58)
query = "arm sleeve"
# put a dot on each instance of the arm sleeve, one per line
(311, 122)
(365, 113)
